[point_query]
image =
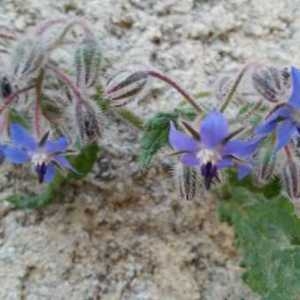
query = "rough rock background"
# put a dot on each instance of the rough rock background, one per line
(123, 234)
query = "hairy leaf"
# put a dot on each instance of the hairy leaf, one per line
(268, 236)
(156, 131)
(155, 136)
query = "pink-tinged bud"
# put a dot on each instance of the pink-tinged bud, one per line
(290, 177)
(126, 86)
(88, 122)
(28, 57)
(189, 183)
(272, 83)
(88, 58)
(264, 164)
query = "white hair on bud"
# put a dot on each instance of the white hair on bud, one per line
(188, 182)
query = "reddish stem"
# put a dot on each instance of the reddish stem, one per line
(288, 152)
(63, 77)
(37, 107)
(37, 118)
(8, 100)
(177, 87)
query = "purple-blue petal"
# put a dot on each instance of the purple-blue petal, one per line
(15, 155)
(213, 129)
(59, 145)
(283, 112)
(190, 159)
(180, 141)
(224, 163)
(284, 133)
(64, 163)
(241, 148)
(22, 138)
(294, 99)
(50, 173)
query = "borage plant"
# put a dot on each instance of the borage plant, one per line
(240, 140)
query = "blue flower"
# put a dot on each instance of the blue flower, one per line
(213, 149)
(285, 118)
(45, 155)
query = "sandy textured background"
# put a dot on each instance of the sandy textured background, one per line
(123, 234)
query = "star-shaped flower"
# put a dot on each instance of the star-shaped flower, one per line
(212, 148)
(285, 118)
(45, 155)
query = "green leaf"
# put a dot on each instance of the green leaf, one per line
(83, 163)
(268, 236)
(156, 131)
(155, 136)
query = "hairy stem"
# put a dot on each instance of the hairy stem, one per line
(81, 23)
(8, 100)
(177, 87)
(37, 107)
(234, 87)
(288, 152)
(68, 81)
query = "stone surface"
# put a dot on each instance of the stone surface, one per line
(124, 234)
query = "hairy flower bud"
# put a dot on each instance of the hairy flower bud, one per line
(88, 122)
(88, 58)
(290, 177)
(5, 86)
(264, 164)
(126, 86)
(271, 83)
(28, 58)
(189, 183)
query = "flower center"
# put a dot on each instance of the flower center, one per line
(208, 155)
(39, 159)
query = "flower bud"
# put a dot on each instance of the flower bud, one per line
(127, 86)
(271, 83)
(88, 58)
(5, 86)
(189, 183)
(264, 164)
(88, 122)
(290, 177)
(28, 58)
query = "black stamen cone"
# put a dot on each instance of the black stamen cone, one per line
(209, 172)
(41, 171)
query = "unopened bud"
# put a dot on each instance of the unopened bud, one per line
(127, 86)
(28, 58)
(271, 83)
(290, 177)
(88, 58)
(264, 164)
(222, 87)
(88, 122)
(189, 183)
(6, 88)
